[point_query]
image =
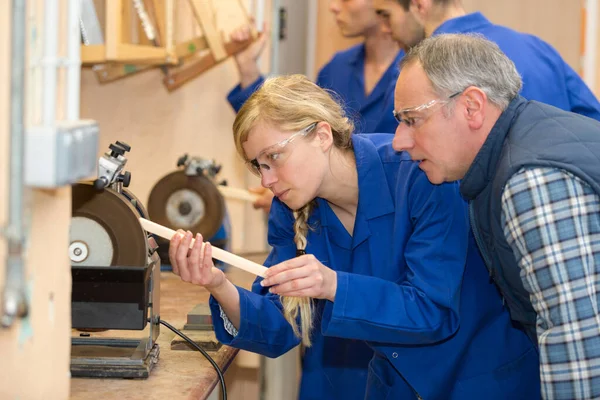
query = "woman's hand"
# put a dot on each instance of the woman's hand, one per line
(303, 276)
(194, 265)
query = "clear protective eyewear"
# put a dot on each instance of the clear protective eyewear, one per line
(401, 117)
(273, 157)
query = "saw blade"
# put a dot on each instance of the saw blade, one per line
(192, 203)
(105, 229)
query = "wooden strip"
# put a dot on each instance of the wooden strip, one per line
(126, 21)
(205, 17)
(157, 9)
(170, 12)
(188, 72)
(142, 37)
(190, 47)
(113, 29)
(237, 193)
(132, 53)
(93, 54)
(106, 73)
(217, 253)
(110, 72)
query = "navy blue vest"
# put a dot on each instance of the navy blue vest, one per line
(527, 134)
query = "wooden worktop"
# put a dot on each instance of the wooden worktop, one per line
(179, 374)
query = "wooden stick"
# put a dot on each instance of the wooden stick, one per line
(238, 194)
(217, 253)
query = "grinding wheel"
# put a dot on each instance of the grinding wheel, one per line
(192, 203)
(105, 230)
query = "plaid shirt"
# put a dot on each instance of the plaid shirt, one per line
(551, 220)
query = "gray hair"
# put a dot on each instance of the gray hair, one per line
(453, 62)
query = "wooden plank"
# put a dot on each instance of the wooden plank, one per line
(110, 72)
(191, 47)
(126, 21)
(114, 27)
(205, 17)
(106, 73)
(138, 54)
(93, 54)
(188, 72)
(157, 9)
(142, 38)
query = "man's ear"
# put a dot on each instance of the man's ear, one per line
(420, 8)
(325, 135)
(474, 101)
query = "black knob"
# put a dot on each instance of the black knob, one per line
(116, 150)
(124, 145)
(182, 160)
(223, 182)
(100, 183)
(185, 208)
(125, 178)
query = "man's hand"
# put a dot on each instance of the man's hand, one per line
(265, 199)
(247, 60)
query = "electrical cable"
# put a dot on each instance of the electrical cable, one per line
(204, 353)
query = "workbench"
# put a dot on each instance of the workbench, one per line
(179, 374)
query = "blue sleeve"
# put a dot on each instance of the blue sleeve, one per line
(263, 328)
(423, 307)
(581, 98)
(238, 96)
(320, 78)
(387, 122)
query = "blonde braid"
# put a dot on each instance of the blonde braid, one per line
(300, 306)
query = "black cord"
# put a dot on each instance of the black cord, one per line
(204, 353)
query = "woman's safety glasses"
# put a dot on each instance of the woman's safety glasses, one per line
(273, 157)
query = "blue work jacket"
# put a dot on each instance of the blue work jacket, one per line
(547, 78)
(345, 75)
(411, 285)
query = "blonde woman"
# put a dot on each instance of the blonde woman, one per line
(372, 267)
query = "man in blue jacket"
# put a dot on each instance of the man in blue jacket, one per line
(360, 75)
(546, 76)
(531, 174)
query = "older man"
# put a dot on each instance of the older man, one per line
(531, 173)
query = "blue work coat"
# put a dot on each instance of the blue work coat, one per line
(345, 75)
(546, 76)
(410, 284)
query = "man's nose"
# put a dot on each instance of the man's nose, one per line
(402, 138)
(334, 6)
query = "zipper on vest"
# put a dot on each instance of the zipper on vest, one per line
(484, 254)
(482, 250)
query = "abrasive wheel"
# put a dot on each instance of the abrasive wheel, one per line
(187, 202)
(192, 203)
(105, 230)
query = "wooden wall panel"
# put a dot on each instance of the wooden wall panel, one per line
(560, 25)
(37, 348)
(556, 21)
